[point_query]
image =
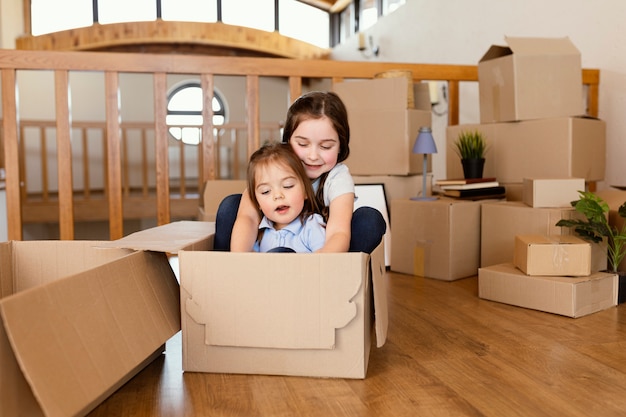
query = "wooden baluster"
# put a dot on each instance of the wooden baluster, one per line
(10, 129)
(252, 103)
(64, 155)
(161, 148)
(209, 152)
(114, 169)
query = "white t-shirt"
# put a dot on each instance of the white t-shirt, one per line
(338, 182)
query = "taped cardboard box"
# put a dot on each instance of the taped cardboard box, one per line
(436, 239)
(552, 192)
(379, 119)
(567, 296)
(282, 314)
(78, 321)
(531, 78)
(565, 147)
(502, 221)
(557, 255)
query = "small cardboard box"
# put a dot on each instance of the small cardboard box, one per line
(551, 192)
(436, 239)
(531, 78)
(213, 194)
(502, 221)
(567, 296)
(566, 147)
(79, 320)
(379, 119)
(281, 314)
(557, 255)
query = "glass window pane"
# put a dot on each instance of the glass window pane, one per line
(116, 11)
(304, 22)
(188, 98)
(257, 14)
(42, 10)
(189, 10)
(369, 14)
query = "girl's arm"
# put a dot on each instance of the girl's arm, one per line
(246, 227)
(338, 225)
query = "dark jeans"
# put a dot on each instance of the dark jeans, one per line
(368, 226)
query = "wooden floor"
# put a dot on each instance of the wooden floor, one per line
(448, 353)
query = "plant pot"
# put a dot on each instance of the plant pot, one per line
(473, 168)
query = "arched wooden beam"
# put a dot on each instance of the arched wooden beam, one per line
(172, 36)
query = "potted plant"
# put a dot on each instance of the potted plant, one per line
(596, 228)
(471, 147)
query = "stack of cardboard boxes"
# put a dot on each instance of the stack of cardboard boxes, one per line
(532, 113)
(529, 262)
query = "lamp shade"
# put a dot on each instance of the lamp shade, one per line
(425, 143)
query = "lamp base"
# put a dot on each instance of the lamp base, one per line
(424, 198)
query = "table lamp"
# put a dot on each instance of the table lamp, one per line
(424, 144)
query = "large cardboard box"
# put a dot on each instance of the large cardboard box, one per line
(567, 296)
(502, 221)
(380, 121)
(552, 192)
(281, 314)
(566, 147)
(558, 255)
(79, 320)
(531, 78)
(436, 239)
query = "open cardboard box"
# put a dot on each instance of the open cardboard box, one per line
(79, 319)
(530, 78)
(282, 314)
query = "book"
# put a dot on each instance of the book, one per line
(462, 181)
(471, 186)
(476, 192)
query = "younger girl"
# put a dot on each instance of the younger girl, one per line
(280, 190)
(317, 129)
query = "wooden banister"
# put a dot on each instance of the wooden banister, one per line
(295, 72)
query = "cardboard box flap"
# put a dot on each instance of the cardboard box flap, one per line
(379, 286)
(169, 238)
(88, 331)
(495, 51)
(279, 305)
(542, 46)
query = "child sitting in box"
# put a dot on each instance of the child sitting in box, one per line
(281, 191)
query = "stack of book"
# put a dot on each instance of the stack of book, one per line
(470, 188)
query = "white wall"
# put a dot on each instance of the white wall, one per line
(460, 31)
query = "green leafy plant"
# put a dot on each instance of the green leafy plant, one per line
(595, 227)
(471, 145)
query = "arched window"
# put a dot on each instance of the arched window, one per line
(184, 112)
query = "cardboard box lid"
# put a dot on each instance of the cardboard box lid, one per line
(300, 309)
(531, 46)
(169, 238)
(79, 338)
(377, 94)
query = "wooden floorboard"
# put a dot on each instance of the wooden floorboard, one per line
(448, 353)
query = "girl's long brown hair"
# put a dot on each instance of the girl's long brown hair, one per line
(315, 105)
